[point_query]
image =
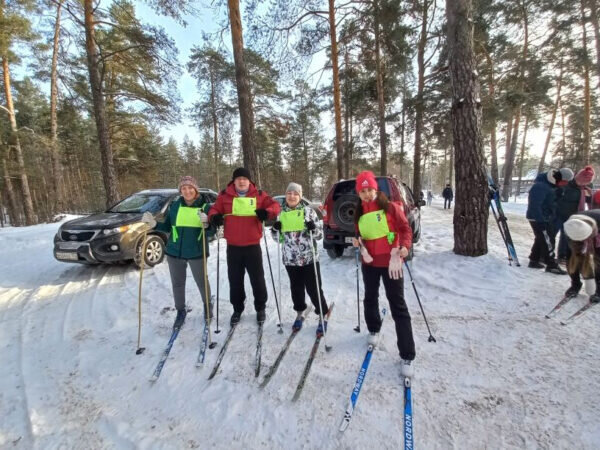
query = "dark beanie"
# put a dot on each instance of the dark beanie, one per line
(241, 172)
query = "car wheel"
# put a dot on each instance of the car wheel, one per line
(336, 252)
(155, 251)
(344, 211)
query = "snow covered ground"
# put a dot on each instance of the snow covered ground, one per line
(500, 376)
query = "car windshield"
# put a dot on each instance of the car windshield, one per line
(349, 187)
(140, 203)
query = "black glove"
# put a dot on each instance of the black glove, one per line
(277, 226)
(217, 220)
(310, 225)
(262, 214)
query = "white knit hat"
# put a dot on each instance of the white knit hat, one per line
(294, 187)
(567, 174)
(579, 227)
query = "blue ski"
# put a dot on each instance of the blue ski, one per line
(165, 355)
(358, 385)
(408, 418)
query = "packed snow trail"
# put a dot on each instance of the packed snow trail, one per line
(500, 376)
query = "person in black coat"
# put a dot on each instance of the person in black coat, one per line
(448, 196)
(581, 231)
(541, 213)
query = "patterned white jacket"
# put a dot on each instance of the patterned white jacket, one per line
(296, 244)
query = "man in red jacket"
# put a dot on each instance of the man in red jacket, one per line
(242, 208)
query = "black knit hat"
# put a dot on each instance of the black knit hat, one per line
(241, 172)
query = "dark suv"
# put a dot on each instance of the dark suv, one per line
(116, 235)
(340, 206)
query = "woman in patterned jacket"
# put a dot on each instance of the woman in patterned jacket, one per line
(292, 229)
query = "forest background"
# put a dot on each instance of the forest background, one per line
(96, 95)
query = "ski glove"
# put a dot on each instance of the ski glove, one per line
(217, 220)
(203, 218)
(262, 214)
(590, 286)
(148, 219)
(310, 225)
(395, 268)
(277, 226)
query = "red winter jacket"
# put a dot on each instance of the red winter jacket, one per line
(380, 249)
(243, 230)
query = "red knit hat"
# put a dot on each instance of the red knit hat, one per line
(364, 180)
(585, 176)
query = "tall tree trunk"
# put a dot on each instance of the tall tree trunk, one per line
(451, 168)
(419, 107)
(552, 119)
(30, 218)
(213, 112)
(596, 25)
(586, 91)
(472, 201)
(347, 91)
(337, 107)
(380, 97)
(243, 92)
(56, 166)
(107, 167)
(522, 157)
(493, 139)
(13, 209)
(402, 124)
(510, 155)
(509, 160)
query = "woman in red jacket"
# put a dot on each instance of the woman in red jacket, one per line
(242, 209)
(385, 238)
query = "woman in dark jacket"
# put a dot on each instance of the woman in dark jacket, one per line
(541, 213)
(584, 253)
(187, 223)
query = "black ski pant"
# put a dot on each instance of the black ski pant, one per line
(447, 201)
(302, 278)
(543, 243)
(239, 261)
(394, 291)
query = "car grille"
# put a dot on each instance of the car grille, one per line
(77, 236)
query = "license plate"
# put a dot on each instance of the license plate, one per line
(348, 240)
(69, 245)
(67, 256)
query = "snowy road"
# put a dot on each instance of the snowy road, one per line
(501, 376)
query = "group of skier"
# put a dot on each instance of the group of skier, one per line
(382, 234)
(561, 201)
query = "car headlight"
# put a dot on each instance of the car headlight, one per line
(116, 230)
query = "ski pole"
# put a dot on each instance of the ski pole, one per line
(279, 262)
(140, 349)
(312, 247)
(207, 314)
(217, 331)
(431, 338)
(357, 327)
(272, 279)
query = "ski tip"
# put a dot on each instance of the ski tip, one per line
(344, 425)
(547, 316)
(212, 345)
